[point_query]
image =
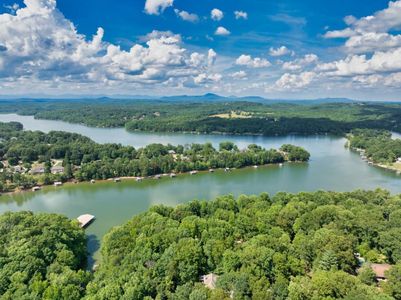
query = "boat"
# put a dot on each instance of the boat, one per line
(117, 179)
(211, 170)
(193, 172)
(172, 175)
(36, 188)
(58, 183)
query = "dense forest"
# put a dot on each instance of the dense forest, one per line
(378, 145)
(289, 246)
(22, 152)
(235, 117)
(42, 256)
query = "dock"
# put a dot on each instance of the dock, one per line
(85, 220)
(36, 188)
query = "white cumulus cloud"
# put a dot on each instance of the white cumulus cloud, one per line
(239, 75)
(371, 33)
(241, 15)
(247, 60)
(204, 78)
(216, 14)
(222, 31)
(156, 7)
(300, 63)
(211, 57)
(280, 51)
(379, 62)
(186, 16)
(295, 81)
(39, 45)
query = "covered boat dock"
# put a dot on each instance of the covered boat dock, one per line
(85, 220)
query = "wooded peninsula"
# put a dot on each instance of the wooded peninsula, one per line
(377, 146)
(30, 158)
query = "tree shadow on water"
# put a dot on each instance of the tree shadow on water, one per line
(93, 245)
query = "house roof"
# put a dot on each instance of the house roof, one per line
(380, 269)
(57, 168)
(38, 168)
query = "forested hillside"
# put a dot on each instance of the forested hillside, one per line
(236, 117)
(290, 246)
(42, 256)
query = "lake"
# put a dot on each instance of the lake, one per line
(332, 167)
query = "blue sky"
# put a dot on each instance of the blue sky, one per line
(276, 49)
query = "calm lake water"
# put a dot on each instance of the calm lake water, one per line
(332, 167)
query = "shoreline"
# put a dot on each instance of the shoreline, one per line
(389, 167)
(372, 163)
(73, 182)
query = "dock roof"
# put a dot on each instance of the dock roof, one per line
(85, 219)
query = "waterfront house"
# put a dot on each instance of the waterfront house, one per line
(38, 170)
(18, 169)
(57, 169)
(380, 271)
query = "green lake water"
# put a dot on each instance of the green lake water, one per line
(332, 167)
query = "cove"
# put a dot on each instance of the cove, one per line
(332, 167)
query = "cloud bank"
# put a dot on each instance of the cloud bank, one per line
(38, 44)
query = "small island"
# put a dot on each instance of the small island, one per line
(31, 159)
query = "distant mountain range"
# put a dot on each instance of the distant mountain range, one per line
(209, 97)
(215, 98)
